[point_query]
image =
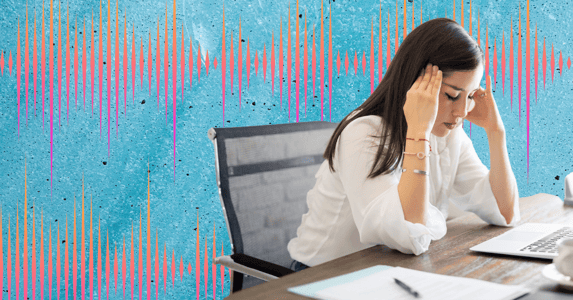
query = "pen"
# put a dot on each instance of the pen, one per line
(407, 288)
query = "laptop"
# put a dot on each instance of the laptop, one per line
(536, 240)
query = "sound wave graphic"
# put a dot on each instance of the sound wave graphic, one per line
(115, 61)
(27, 273)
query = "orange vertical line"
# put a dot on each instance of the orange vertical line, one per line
(222, 269)
(117, 69)
(486, 53)
(2, 258)
(470, 21)
(49, 262)
(25, 242)
(313, 70)
(346, 63)
(164, 268)
(26, 81)
(183, 64)
(74, 255)
(34, 75)
(330, 54)
(519, 70)
(321, 62)
(174, 79)
(248, 62)
(421, 15)
(17, 258)
(305, 66)
(535, 62)
(387, 45)
(197, 259)
(156, 266)
(18, 75)
(66, 260)
(511, 64)
(107, 265)
(190, 63)
(502, 63)
(462, 13)
(58, 265)
(157, 63)
(68, 67)
(396, 33)
(371, 56)
(148, 270)
(198, 62)
(33, 251)
(380, 55)
(91, 259)
(83, 251)
(280, 60)
(494, 81)
(405, 22)
(76, 62)
(99, 263)
(123, 267)
(454, 10)
(213, 265)
(544, 63)
(205, 266)
(41, 275)
(173, 269)
(140, 255)
(115, 268)
(9, 262)
(166, 68)
(297, 75)
(59, 64)
(413, 21)
(239, 64)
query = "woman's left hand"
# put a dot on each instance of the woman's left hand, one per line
(485, 113)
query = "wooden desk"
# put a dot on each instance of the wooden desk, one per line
(449, 256)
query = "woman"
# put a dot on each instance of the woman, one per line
(393, 165)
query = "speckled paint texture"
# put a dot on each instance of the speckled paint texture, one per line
(116, 182)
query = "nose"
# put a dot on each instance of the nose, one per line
(460, 109)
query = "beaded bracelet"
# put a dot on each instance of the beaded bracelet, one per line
(420, 155)
(417, 140)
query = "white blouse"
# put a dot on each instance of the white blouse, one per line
(348, 212)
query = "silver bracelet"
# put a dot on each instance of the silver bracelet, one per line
(417, 171)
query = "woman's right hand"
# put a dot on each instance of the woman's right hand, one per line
(421, 105)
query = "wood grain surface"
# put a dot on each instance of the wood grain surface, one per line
(449, 255)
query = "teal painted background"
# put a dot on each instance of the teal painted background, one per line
(117, 182)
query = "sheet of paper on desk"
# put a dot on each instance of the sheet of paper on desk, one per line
(381, 285)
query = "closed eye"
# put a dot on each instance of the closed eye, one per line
(457, 97)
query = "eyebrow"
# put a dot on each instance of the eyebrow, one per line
(455, 87)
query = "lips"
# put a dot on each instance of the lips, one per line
(450, 126)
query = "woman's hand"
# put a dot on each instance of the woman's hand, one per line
(421, 105)
(485, 113)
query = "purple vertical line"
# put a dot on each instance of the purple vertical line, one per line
(84, 65)
(166, 65)
(18, 75)
(109, 79)
(157, 63)
(59, 66)
(76, 64)
(223, 55)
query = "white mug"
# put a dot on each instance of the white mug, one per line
(564, 262)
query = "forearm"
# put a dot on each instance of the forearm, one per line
(501, 177)
(413, 188)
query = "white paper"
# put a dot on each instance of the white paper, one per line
(381, 285)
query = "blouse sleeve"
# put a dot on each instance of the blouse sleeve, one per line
(375, 202)
(472, 191)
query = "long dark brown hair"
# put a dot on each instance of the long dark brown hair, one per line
(442, 42)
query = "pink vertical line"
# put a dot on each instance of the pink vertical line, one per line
(188, 267)
(74, 257)
(68, 67)
(198, 62)
(544, 63)
(107, 266)
(9, 263)
(17, 259)
(519, 70)
(405, 23)
(148, 270)
(338, 63)
(149, 64)
(248, 63)
(197, 259)
(560, 62)
(174, 106)
(380, 55)
(304, 76)
(134, 64)
(157, 63)
(10, 62)
(140, 256)
(257, 62)
(83, 251)
(41, 275)
(387, 43)
(297, 79)
(25, 242)
(92, 64)
(123, 267)
(223, 56)
(26, 63)
(191, 64)
(213, 265)
(321, 62)
(552, 63)
(486, 52)
(91, 259)
(182, 64)
(535, 62)
(396, 43)
(76, 63)
(100, 78)
(34, 64)
(49, 263)
(33, 263)
(164, 268)
(231, 63)
(2, 63)
(289, 63)
(281, 61)
(494, 66)
(205, 267)
(502, 63)
(117, 70)
(126, 63)
(166, 66)
(59, 65)
(51, 86)
(363, 63)
(84, 64)
(313, 75)
(115, 269)
(66, 262)
(527, 79)
(222, 272)
(330, 55)
(99, 266)
(173, 268)
(271, 62)
(355, 63)
(239, 64)
(2, 262)
(109, 79)
(181, 268)
(346, 63)
(18, 75)
(511, 64)
(156, 266)
(372, 57)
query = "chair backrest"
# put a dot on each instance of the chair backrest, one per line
(264, 174)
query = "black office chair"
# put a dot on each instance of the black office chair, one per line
(263, 175)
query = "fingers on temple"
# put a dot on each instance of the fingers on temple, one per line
(437, 83)
(427, 76)
(417, 82)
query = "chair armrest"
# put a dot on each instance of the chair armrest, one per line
(252, 266)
